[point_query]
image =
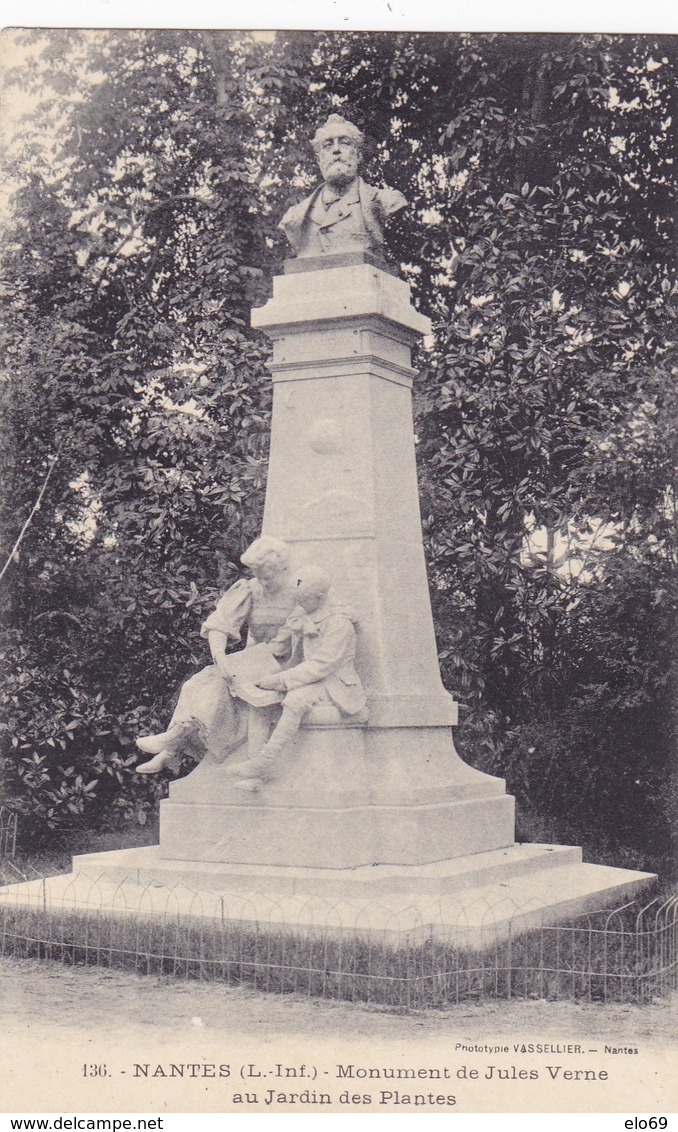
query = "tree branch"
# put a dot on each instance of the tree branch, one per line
(51, 613)
(173, 200)
(209, 39)
(35, 508)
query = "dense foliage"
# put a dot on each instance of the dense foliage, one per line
(146, 184)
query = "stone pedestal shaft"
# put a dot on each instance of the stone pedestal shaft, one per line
(342, 486)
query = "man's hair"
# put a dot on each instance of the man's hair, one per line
(335, 122)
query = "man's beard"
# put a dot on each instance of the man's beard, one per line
(340, 171)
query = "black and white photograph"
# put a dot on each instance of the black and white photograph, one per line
(338, 574)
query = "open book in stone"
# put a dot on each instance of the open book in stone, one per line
(248, 666)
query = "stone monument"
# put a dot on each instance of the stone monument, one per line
(364, 800)
(342, 494)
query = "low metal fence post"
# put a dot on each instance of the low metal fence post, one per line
(398, 958)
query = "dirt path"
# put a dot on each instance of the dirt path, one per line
(56, 1020)
(54, 997)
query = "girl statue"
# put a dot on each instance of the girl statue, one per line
(208, 719)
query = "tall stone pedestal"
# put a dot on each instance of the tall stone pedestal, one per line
(384, 811)
(342, 492)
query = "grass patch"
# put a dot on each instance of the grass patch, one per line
(606, 957)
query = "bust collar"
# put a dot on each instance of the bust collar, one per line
(349, 195)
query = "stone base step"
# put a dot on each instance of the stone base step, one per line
(147, 866)
(468, 902)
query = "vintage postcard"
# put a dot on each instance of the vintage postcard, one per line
(338, 560)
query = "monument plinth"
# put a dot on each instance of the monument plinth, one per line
(342, 493)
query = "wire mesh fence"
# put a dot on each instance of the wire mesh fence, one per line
(8, 832)
(369, 953)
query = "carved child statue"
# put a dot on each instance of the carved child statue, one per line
(209, 719)
(318, 645)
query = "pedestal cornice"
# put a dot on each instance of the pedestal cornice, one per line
(339, 293)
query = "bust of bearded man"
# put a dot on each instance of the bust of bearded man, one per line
(344, 214)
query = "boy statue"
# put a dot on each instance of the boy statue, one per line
(317, 644)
